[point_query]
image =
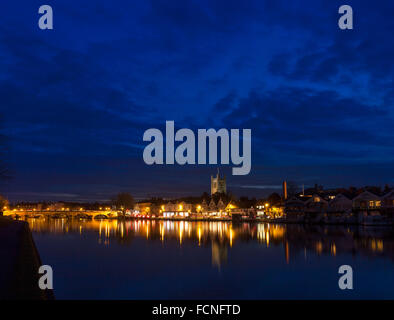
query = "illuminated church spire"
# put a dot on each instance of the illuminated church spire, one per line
(218, 185)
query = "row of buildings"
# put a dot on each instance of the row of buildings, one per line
(295, 208)
(169, 209)
(314, 203)
(365, 204)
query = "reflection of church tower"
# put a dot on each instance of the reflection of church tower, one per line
(219, 254)
(217, 184)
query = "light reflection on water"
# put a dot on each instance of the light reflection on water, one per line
(295, 245)
(322, 240)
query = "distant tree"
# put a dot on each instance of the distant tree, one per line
(225, 197)
(387, 188)
(3, 202)
(374, 189)
(274, 198)
(352, 191)
(230, 196)
(205, 196)
(124, 201)
(245, 202)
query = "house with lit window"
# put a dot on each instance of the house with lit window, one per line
(204, 206)
(221, 207)
(212, 206)
(274, 211)
(294, 209)
(143, 208)
(367, 204)
(316, 204)
(58, 206)
(340, 204)
(180, 209)
(215, 208)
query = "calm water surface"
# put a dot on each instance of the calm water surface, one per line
(213, 260)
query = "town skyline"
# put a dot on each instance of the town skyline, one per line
(222, 192)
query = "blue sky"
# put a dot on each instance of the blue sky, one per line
(77, 99)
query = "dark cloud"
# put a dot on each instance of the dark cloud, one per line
(316, 124)
(226, 103)
(76, 100)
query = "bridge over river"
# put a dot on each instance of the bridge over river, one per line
(60, 213)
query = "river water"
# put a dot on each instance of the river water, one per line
(142, 259)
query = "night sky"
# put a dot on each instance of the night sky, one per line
(76, 100)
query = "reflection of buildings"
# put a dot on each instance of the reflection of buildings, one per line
(340, 204)
(295, 240)
(337, 240)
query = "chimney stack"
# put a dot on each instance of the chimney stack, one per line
(285, 190)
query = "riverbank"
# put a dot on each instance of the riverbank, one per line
(19, 263)
(308, 220)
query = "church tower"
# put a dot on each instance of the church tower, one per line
(218, 184)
